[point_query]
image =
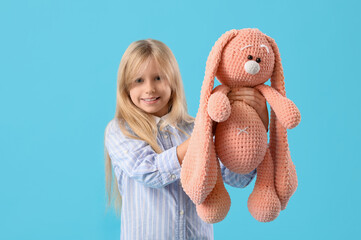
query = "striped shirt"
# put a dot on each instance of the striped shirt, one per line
(154, 205)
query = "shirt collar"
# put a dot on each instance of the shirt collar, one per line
(164, 118)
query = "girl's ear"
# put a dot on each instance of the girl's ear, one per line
(171, 98)
(170, 102)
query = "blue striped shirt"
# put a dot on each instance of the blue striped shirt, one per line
(154, 205)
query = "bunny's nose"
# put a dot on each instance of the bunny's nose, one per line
(252, 67)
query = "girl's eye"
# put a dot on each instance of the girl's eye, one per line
(138, 80)
(157, 78)
(250, 57)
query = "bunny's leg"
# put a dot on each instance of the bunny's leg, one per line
(199, 166)
(217, 204)
(285, 179)
(263, 203)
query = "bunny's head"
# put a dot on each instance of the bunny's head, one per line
(247, 60)
(243, 58)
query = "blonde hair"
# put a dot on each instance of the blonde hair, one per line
(141, 123)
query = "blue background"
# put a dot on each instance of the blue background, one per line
(58, 65)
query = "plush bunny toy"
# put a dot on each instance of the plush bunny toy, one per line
(241, 58)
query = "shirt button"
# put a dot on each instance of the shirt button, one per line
(181, 212)
(165, 136)
(173, 176)
(126, 151)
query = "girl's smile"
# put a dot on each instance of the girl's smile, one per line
(151, 100)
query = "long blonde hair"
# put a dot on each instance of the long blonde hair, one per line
(141, 123)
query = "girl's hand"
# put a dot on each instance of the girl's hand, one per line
(214, 128)
(253, 98)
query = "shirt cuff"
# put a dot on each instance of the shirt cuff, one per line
(168, 165)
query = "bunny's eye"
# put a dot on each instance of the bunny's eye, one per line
(250, 57)
(258, 60)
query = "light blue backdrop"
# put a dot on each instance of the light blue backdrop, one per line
(58, 65)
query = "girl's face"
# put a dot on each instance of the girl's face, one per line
(150, 91)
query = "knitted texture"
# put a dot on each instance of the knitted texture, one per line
(219, 107)
(263, 203)
(288, 117)
(199, 166)
(286, 177)
(241, 58)
(217, 204)
(241, 141)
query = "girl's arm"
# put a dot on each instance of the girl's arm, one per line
(181, 150)
(139, 161)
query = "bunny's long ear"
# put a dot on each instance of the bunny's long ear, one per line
(285, 172)
(213, 61)
(199, 167)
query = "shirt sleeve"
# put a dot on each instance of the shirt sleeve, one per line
(139, 161)
(235, 179)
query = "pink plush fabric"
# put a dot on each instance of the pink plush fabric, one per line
(241, 58)
(217, 204)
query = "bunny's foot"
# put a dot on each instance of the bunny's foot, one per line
(263, 203)
(217, 204)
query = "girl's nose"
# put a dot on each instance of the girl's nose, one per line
(150, 91)
(150, 88)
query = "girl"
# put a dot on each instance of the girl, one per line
(146, 142)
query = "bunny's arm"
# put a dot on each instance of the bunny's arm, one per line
(219, 107)
(286, 111)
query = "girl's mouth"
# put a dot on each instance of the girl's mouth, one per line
(150, 100)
